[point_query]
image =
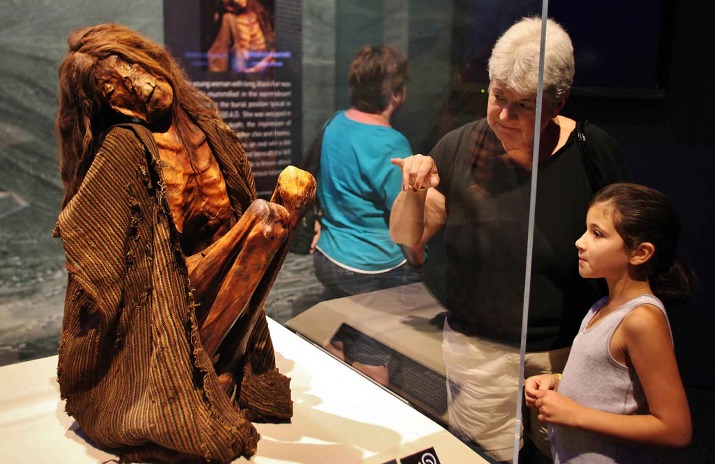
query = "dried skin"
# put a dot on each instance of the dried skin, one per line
(233, 276)
(295, 190)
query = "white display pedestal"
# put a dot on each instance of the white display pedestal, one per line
(339, 417)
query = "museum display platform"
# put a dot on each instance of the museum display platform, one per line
(405, 321)
(340, 416)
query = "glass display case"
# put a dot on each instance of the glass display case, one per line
(628, 87)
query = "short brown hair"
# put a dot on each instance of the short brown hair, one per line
(376, 73)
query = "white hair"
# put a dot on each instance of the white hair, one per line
(515, 58)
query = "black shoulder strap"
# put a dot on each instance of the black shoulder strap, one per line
(311, 161)
(588, 164)
(144, 135)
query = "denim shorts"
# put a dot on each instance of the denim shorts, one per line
(344, 282)
(341, 282)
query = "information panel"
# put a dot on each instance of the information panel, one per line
(246, 56)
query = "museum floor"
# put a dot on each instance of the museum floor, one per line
(32, 332)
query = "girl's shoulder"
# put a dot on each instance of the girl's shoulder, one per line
(646, 313)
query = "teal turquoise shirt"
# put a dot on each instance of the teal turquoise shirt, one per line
(357, 186)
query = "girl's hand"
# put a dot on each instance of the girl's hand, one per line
(555, 408)
(536, 383)
(418, 171)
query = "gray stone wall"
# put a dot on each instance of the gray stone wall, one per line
(32, 43)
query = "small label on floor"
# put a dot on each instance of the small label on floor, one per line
(428, 456)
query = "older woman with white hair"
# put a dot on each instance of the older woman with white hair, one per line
(478, 188)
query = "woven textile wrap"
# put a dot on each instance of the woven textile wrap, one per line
(131, 365)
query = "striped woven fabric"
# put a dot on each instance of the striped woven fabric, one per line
(131, 365)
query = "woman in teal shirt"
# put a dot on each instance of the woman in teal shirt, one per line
(357, 185)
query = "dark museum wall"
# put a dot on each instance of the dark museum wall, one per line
(668, 143)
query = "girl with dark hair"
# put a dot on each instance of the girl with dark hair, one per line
(621, 396)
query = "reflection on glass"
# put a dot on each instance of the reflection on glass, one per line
(245, 40)
(472, 235)
(448, 45)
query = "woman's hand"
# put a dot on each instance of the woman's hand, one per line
(316, 236)
(419, 210)
(418, 171)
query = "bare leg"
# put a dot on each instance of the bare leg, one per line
(295, 190)
(235, 264)
(233, 276)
